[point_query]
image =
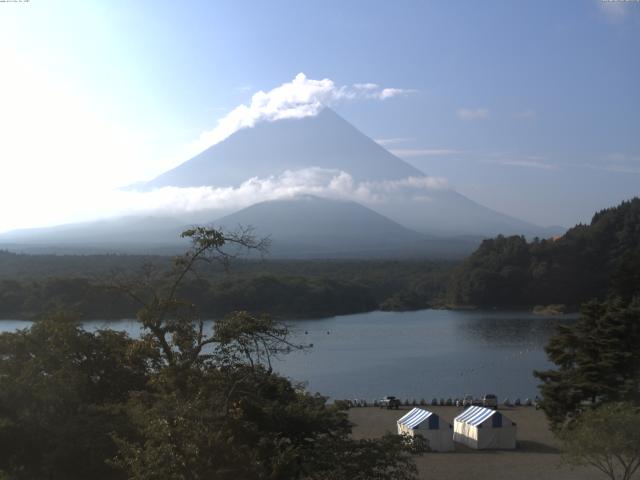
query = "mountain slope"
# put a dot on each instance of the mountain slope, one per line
(302, 227)
(309, 226)
(137, 234)
(446, 212)
(325, 141)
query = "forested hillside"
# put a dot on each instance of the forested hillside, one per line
(589, 261)
(33, 285)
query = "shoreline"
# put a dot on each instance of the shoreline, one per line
(569, 313)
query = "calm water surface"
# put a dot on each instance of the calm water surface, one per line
(423, 354)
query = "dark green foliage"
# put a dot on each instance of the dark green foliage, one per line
(606, 438)
(598, 360)
(180, 403)
(20, 266)
(287, 296)
(236, 422)
(386, 458)
(423, 291)
(32, 299)
(582, 264)
(285, 289)
(60, 394)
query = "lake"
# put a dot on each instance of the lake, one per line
(421, 354)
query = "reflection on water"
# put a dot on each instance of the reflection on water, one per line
(423, 354)
(510, 327)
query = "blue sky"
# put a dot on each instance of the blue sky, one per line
(531, 108)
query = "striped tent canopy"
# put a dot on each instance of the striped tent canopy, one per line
(428, 425)
(415, 417)
(483, 428)
(475, 415)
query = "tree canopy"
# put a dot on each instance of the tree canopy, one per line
(607, 438)
(597, 358)
(587, 262)
(180, 402)
(61, 395)
(281, 288)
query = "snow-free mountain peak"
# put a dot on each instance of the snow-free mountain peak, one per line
(324, 141)
(379, 179)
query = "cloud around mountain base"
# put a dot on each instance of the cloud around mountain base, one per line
(328, 183)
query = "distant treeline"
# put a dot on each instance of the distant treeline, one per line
(85, 285)
(589, 261)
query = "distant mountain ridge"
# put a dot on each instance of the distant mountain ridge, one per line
(304, 226)
(310, 227)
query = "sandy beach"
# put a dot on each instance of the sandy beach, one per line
(536, 457)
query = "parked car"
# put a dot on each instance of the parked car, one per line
(467, 400)
(389, 402)
(490, 401)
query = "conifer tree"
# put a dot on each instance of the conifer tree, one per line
(598, 360)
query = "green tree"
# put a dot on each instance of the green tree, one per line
(598, 360)
(216, 409)
(60, 392)
(588, 261)
(182, 402)
(607, 438)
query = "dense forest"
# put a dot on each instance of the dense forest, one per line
(33, 285)
(585, 263)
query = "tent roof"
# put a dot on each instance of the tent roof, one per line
(474, 416)
(415, 417)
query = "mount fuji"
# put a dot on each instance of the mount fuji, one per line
(320, 188)
(328, 142)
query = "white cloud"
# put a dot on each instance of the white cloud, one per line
(473, 113)
(391, 141)
(389, 93)
(302, 97)
(365, 86)
(615, 10)
(374, 91)
(315, 181)
(425, 152)
(167, 201)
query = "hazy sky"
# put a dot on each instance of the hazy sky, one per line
(530, 108)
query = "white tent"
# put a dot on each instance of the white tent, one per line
(483, 428)
(436, 431)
